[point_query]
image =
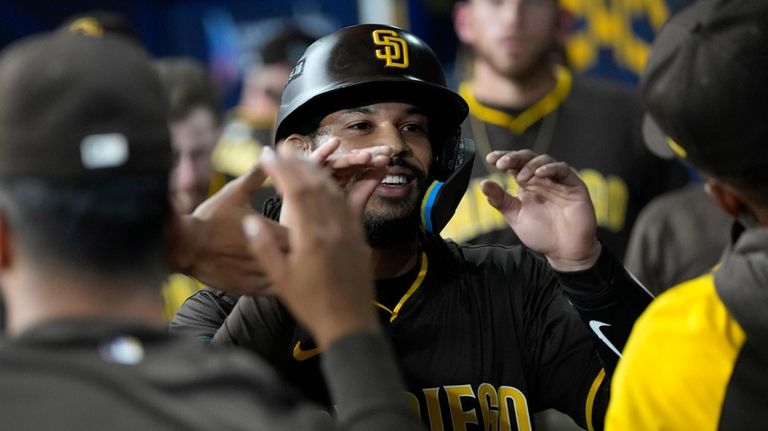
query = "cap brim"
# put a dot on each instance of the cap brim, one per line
(655, 139)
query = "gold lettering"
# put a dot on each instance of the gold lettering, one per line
(609, 197)
(609, 24)
(413, 403)
(489, 404)
(519, 408)
(475, 216)
(598, 192)
(618, 195)
(433, 409)
(460, 417)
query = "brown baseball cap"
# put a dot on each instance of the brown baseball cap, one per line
(80, 107)
(705, 90)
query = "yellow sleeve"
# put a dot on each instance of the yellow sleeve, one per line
(677, 362)
(176, 290)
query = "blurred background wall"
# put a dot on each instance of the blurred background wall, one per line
(610, 37)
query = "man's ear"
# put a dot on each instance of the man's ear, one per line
(6, 243)
(724, 197)
(299, 142)
(462, 22)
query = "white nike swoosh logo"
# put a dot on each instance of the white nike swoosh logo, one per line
(595, 326)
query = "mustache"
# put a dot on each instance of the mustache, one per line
(421, 176)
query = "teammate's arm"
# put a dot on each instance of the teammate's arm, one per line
(553, 215)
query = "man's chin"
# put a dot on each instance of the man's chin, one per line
(389, 232)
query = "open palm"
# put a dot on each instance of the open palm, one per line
(552, 213)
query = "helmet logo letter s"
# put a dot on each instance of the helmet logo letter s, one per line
(394, 49)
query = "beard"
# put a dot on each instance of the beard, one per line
(390, 233)
(397, 223)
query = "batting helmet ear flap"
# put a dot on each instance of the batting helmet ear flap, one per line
(451, 174)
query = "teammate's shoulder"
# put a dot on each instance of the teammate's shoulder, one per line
(693, 306)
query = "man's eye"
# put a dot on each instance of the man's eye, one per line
(414, 128)
(359, 126)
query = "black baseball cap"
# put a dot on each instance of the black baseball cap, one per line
(705, 90)
(80, 107)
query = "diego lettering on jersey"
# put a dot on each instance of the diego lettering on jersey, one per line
(475, 216)
(458, 407)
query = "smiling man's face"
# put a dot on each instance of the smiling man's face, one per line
(395, 204)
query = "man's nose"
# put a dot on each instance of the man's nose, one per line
(391, 136)
(510, 13)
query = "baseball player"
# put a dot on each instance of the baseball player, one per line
(521, 94)
(697, 358)
(85, 222)
(485, 335)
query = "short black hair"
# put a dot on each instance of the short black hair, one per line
(286, 47)
(114, 228)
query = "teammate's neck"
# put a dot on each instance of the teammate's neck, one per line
(36, 297)
(396, 260)
(493, 88)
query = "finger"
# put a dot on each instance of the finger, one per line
(558, 171)
(286, 176)
(530, 166)
(347, 160)
(362, 157)
(377, 150)
(264, 248)
(494, 156)
(322, 152)
(309, 192)
(251, 181)
(513, 161)
(525, 154)
(363, 187)
(500, 199)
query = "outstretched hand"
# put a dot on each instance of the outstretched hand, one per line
(358, 172)
(552, 213)
(211, 245)
(324, 275)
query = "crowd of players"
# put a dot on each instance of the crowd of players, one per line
(368, 249)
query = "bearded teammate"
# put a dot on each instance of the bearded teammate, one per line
(484, 334)
(521, 96)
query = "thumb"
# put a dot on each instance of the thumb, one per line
(251, 181)
(264, 247)
(363, 187)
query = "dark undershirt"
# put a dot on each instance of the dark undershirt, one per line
(389, 291)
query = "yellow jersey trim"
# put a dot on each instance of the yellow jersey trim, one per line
(591, 398)
(411, 290)
(303, 355)
(382, 306)
(537, 111)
